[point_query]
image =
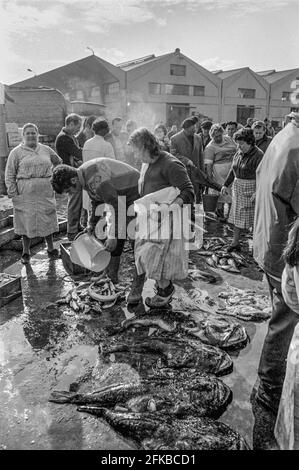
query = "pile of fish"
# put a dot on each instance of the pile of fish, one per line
(92, 297)
(212, 330)
(216, 256)
(167, 410)
(245, 305)
(175, 353)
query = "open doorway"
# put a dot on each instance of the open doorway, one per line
(243, 113)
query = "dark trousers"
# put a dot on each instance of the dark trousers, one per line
(272, 367)
(74, 212)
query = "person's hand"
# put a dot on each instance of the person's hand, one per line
(252, 199)
(110, 244)
(224, 191)
(177, 202)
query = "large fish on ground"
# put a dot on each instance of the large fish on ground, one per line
(177, 353)
(200, 395)
(157, 432)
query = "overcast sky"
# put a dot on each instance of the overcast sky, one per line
(45, 34)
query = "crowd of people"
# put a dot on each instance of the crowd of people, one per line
(256, 183)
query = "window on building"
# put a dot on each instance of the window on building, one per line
(113, 88)
(247, 93)
(176, 89)
(179, 70)
(95, 92)
(79, 95)
(199, 91)
(155, 88)
(286, 95)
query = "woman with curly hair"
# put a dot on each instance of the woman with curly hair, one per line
(163, 260)
(243, 177)
(160, 132)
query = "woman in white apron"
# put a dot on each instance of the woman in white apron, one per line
(27, 178)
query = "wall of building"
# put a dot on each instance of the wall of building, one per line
(153, 106)
(45, 108)
(231, 99)
(278, 107)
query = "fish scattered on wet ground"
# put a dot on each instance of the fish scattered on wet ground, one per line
(176, 353)
(215, 251)
(201, 395)
(246, 305)
(158, 432)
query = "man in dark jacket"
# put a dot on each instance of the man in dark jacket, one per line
(276, 207)
(186, 146)
(68, 149)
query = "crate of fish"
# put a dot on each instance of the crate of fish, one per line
(10, 288)
(69, 266)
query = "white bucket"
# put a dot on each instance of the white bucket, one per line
(90, 253)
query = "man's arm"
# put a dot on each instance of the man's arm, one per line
(67, 148)
(178, 177)
(110, 196)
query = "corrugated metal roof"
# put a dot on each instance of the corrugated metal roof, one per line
(135, 65)
(279, 75)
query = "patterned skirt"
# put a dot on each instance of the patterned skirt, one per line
(242, 210)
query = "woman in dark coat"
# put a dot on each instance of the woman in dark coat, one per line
(243, 177)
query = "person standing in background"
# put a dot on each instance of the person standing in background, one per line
(117, 140)
(218, 157)
(96, 147)
(161, 134)
(27, 178)
(261, 139)
(87, 132)
(172, 131)
(277, 206)
(249, 123)
(205, 134)
(69, 151)
(270, 132)
(131, 126)
(186, 146)
(231, 128)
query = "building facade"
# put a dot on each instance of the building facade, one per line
(170, 88)
(283, 95)
(244, 94)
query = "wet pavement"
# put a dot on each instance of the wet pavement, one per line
(45, 347)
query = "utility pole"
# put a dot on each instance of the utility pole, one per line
(3, 139)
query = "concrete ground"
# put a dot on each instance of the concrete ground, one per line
(43, 347)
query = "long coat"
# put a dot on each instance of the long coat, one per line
(180, 147)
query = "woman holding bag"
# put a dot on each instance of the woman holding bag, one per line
(163, 259)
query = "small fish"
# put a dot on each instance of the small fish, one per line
(232, 263)
(210, 262)
(149, 321)
(222, 261)
(74, 305)
(204, 253)
(215, 259)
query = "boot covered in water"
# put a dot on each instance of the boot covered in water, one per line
(135, 294)
(113, 268)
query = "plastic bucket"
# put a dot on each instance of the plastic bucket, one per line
(210, 202)
(90, 253)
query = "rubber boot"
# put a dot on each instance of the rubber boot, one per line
(113, 268)
(135, 294)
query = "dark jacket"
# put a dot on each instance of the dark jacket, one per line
(181, 147)
(165, 172)
(263, 143)
(68, 149)
(277, 199)
(244, 165)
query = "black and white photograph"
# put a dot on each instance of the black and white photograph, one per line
(149, 229)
